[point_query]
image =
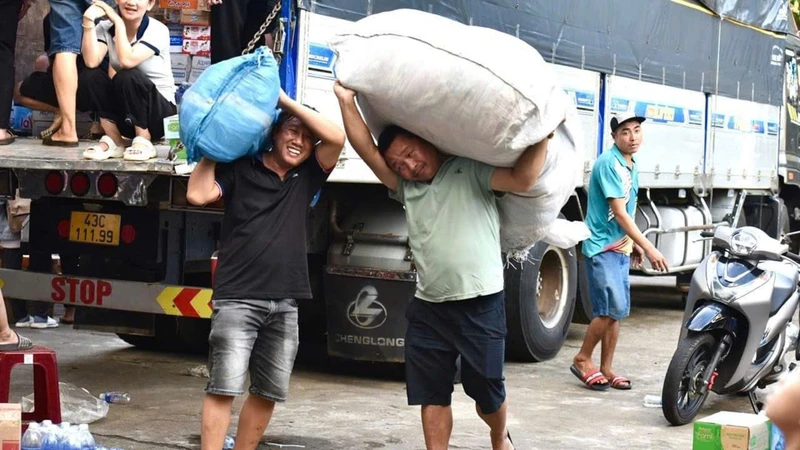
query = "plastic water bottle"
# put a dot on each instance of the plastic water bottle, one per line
(32, 440)
(115, 397)
(229, 443)
(50, 441)
(65, 432)
(85, 438)
(72, 439)
(652, 401)
(778, 441)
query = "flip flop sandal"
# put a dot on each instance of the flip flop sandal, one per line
(48, 141)
(10, 139)
(140, 150)
(98, 153)
(621, 383)
(594, 380)
(22, 343)
(49, 132)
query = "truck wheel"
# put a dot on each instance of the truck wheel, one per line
(165, 340)
(540, 300)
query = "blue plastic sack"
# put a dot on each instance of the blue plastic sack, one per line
(229, 112)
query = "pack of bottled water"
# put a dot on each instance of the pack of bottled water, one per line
(64, 436)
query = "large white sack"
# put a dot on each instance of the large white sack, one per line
(472, 92)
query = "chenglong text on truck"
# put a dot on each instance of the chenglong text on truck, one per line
(712, 89)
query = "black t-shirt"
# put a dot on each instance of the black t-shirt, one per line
(262, 252)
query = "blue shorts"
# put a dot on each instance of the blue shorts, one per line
(255, 336)
(438, 332)
(66, 18)
(609, 284)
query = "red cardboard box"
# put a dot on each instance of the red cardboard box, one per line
(196, 47)
(177, 4)
(197, 32)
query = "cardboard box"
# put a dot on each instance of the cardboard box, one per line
(195, 17)
(41, 120)
(21, 120)
(197, 32)
(180, 61)
(177, 4)
(172, 16)
(175, 38)
(203, 5)
(10, 426)
(201, 62)
(172, 129)
(732, 431)
(196, 48)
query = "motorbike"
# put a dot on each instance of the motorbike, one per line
(738, 326)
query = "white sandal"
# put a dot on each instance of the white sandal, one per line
(98, 153)
(140, 150)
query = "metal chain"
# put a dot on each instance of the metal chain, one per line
(260, 33)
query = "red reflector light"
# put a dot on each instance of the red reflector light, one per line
(54, 182)
(80, 184)
(107, 185)
(128, 234)
(63, 228)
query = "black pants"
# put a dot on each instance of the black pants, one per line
(130, 99)
(234, 23)
(9, 13)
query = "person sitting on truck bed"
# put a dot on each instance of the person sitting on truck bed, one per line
(454, 234)
(262, 268)
(134, 95)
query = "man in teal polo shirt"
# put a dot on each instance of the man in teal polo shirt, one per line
(613, 190)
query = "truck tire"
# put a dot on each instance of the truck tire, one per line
(540, 301)
(583, 303)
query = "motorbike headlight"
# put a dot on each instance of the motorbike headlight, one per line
(743, 243)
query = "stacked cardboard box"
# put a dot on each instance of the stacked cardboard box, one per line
(190, 37)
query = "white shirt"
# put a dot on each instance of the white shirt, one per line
(157, 68)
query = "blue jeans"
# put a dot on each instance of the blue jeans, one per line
(609, 284)
(66, 17)
(256, 335)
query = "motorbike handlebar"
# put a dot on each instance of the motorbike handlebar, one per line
(794, 257)
(707, 233)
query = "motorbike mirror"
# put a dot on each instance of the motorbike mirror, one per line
(792, 233)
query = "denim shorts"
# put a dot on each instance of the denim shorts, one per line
(66, 18)
(259, 336)
(609, 284)
(438, 333)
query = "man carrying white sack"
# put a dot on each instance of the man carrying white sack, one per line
(613, 190)
(262, 267)
(454, 234)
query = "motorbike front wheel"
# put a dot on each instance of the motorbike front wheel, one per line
(684, 391)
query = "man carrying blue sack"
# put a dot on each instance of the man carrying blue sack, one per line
(262, 267)
(613, 190)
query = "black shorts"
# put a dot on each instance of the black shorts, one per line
(438, 333)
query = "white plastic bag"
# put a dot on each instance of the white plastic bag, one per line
(77, 405)
(472, 92)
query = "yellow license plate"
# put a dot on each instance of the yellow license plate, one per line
(94, 228)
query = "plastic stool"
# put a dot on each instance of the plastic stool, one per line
(46, 395)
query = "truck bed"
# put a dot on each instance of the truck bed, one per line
(29, 153)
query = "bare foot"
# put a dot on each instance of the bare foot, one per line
(8, 338)
(4, 134)
(60, 136)
(584, 365)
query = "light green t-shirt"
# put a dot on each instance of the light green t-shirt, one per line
(454, 231)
